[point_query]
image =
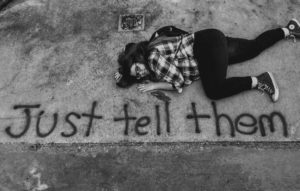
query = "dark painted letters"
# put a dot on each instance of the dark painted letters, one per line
(38, 131)
(27, 111)
(142, 122)
(239, 122)
(74, 127)
(242, 124)
(92, 116)
(195, 116)
(126, 118)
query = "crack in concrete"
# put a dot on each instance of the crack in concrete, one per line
(7, 85)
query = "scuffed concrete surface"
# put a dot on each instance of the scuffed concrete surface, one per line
(150, 167)
(61, 55)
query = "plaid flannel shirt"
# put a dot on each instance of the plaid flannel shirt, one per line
(173, 61)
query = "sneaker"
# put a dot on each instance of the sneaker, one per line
(267, 84)
(294, 27)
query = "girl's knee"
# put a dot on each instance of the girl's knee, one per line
(216, 33)
(213, 93)
(210, 33)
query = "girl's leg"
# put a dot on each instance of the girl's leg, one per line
(211, 52)
(240, 50)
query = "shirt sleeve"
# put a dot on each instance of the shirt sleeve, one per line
(166, 70)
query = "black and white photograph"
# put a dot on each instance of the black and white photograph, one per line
(149, 95)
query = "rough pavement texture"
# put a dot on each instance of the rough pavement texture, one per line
(59, 57)
(181, 167)
(57, 63)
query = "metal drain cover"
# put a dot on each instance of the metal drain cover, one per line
(131, 22)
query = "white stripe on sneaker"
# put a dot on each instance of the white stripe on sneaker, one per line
(296, 21)
(275, 96)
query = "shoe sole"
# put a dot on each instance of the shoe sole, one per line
(276, 94)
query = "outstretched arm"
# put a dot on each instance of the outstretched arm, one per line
(155, 86)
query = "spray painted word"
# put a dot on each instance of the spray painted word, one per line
(245, 123)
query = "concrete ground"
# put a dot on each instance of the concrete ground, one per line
(63, 120)
(182, 166)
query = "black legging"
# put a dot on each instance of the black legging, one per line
(214, 52)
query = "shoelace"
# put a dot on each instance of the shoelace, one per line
(264, 87)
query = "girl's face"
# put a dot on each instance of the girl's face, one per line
(138, 70)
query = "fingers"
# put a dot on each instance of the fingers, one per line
(143, 88)
(118, 76)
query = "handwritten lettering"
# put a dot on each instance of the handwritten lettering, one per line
(71, 123)
(38, 131)
(243, 124)
(91, 116)
(196, 117)
(27, 111)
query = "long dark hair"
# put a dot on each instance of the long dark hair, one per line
(134, 52)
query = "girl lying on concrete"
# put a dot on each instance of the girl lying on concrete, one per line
(173, 59)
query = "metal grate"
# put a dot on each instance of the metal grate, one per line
(131, 22)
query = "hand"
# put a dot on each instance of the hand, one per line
(146, 87)
(118, 76)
